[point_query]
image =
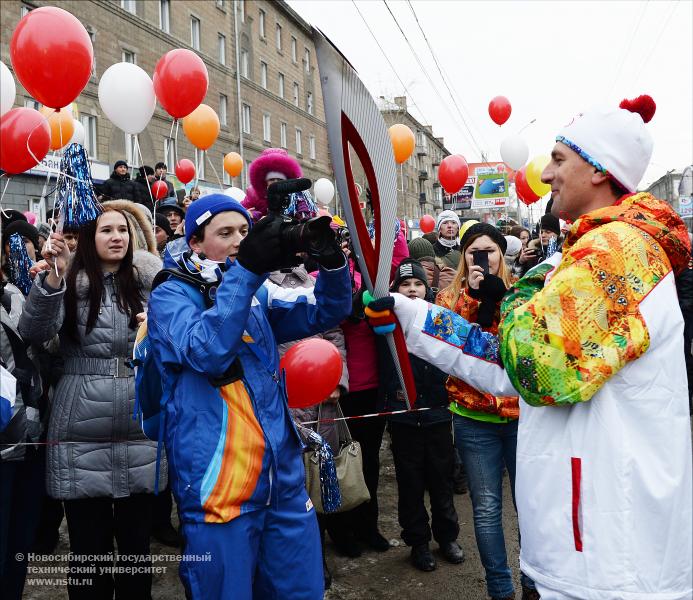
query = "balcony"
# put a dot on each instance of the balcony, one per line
(423, 173)
(422, 149)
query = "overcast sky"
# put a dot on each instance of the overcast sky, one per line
(551, 59)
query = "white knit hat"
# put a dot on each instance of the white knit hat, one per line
(614, 140)
(447, 215)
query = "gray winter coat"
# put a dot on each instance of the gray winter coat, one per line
(25, 425)
(94, 400)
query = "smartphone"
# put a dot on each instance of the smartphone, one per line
(481, 259)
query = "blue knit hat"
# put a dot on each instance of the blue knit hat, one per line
(202, 210)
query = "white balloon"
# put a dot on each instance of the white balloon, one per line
(78, 135)
(8, 89)
(126, 95)
(236, 193)
(514, 152)
(323, 190)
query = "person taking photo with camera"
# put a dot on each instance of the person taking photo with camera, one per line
(235, 455)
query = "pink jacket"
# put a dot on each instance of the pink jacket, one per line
(362, 359)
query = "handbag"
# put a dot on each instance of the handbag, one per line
(348, 465)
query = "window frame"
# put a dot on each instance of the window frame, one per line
(310, 105)
(299, 141)
(246, 119)
(278, 37)
(261, 23)
(311, 147)
(283, 131)
(91, 134)
(221, 48)
(264, 69)
(294, 49)
(223, 109)
(165, 25)
(266, 127)
(297, 93)
(195, 44)
(124, 52)
(281, 85)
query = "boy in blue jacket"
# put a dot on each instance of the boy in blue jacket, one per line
(249, 527)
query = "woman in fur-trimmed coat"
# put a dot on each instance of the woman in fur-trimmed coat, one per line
(99, 462)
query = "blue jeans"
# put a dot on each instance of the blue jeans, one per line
(485, 449)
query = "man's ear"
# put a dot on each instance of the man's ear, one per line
(195, 245)
(598, 177)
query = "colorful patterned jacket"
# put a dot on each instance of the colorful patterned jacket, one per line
(462, 393)
(231, 444)
(593, 342)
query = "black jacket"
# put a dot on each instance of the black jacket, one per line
(451, 256)
(430, 389)
(684, 287)
(142, 194)
(119, 187)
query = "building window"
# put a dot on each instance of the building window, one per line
(165, 16)
(92, 37)
(31, 103)
(89, 124)
(281, 85)
(220, 4)
(200, 163)
(129, 56)
(223, 109)
(266, 128)
(130, 151)
(279, 36)
(129, 5)
(299, 141)
(195, 32)
(311, 147)
(24, 11)
(241, 9)
(263, 74)
(309, 103)
(221, 54)
(296, 91)
(226, 178)
(246, 118)
(294, 51)
(306, 59)
(282, 135)
(245, 63)
(261, 23)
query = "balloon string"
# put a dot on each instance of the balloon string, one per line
(211, 164)
(2, 210)
(197, 170)
(146, 181)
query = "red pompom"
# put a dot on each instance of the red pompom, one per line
(643, 105)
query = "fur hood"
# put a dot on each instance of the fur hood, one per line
(146, 266)
(140, 220)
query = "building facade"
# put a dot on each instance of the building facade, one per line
(263, 85)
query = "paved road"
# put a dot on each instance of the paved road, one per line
(372, 576)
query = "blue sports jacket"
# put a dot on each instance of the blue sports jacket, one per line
(231, 445)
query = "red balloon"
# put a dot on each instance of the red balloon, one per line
(313, 368)
(159, 189)
(427, 223)
(180, 82)
(23, 132)
(52, 55)
(499, 109)
(524, 192)
(185, 170)
(452, 173)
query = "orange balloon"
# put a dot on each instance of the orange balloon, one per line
(233, 164)
(403, 142)
(201, 127)
(61, 124)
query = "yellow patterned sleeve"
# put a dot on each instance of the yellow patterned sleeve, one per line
(561, 343)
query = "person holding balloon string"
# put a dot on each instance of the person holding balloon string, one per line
(237, 469)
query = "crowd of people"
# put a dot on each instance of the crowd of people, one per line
(554, 354)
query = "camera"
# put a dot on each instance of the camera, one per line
(314, 236)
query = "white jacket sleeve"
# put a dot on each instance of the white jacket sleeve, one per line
(457, 347)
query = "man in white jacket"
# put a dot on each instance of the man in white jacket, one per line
(592, 340)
